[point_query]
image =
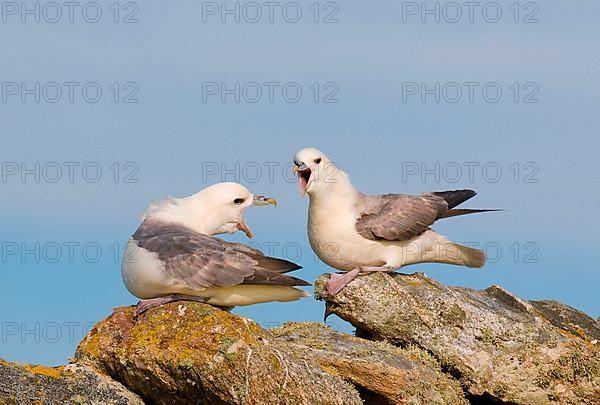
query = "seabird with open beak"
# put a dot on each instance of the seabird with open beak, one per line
(174, 256)
(359, 233)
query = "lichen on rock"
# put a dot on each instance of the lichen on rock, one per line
(418, 342)
(71, 384)
(382, 373)
(193, 353)
(497, 345)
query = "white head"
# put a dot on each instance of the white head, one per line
(216, 209)
(317, 174)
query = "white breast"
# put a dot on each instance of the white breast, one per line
(143, 272)
(333, 237)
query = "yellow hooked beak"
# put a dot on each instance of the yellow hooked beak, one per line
(261, 200)
(258, 200)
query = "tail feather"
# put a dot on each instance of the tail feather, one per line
(453, 253)
(464, 211)
(432, 247)
(450, 253)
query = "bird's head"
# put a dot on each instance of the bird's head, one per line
(316, 172)
(221, 208)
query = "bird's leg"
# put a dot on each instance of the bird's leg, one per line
(338, 281)
(145, 305)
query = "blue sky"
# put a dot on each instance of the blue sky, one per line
(55, 281)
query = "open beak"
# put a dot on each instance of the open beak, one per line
(258, 200)
(304, 176)
(242, 226)
(261, 200)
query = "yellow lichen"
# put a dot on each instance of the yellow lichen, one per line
(53, 372)
(329, 370)
(574, 366)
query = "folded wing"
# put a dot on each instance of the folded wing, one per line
(398, 217)
(200, 261)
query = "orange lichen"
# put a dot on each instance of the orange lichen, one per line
(54, 372)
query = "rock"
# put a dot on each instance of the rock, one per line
(419, 342)
(193, 353)
(500, 347)
(73, 384)
(382, 373)
(187, 352)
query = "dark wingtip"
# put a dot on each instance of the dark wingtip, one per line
(278, 265)
(456, 197)
(298, 282)
(467, 191)
(465, 211)
(293, 267)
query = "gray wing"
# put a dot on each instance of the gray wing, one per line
(399, 216)
(202, 261)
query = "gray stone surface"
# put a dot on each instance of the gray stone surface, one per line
(497, 345)
(382, 373)
(72, 384)
(192, 353)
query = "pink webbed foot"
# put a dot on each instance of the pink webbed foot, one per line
(338, 281)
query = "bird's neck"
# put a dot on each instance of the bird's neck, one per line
(187, 211)
(339, 193)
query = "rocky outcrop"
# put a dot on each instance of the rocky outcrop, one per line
(380, 372)
(193, 353)
(72, 384)
(418, 342)
(499, 347)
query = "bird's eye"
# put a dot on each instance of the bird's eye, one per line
(318, 160)
(238, 201)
